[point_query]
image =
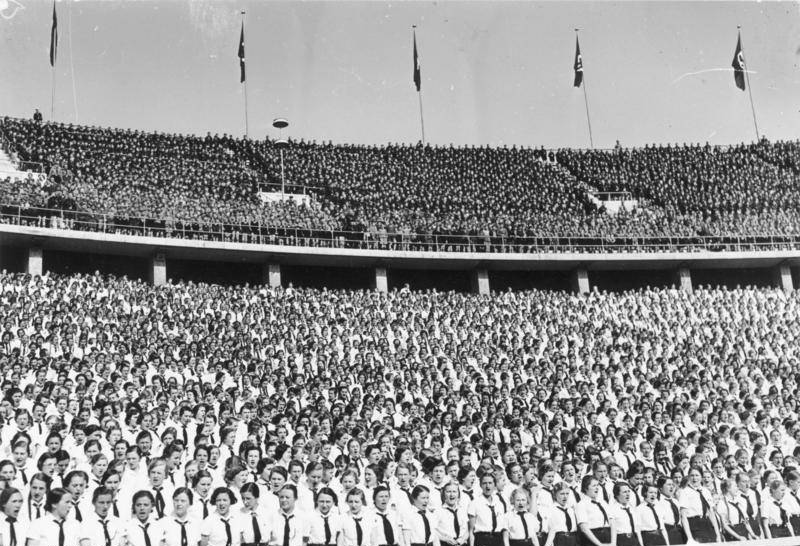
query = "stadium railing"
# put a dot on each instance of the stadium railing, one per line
(254, 233)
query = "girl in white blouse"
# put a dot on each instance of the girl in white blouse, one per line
(142, 529)
(355, 525)
(54, 529)
(417, 523)
(734, 521)
(325, 525)
(522, 528)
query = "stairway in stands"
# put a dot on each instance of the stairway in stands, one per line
(9, 169)
(6, 164)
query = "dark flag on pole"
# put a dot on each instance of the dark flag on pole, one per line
(241, 55)
(578, 66)
(54, 38)
(738, 65)
(417, 74)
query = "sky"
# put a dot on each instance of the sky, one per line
(493, 73)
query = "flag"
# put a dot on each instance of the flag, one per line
(54, 38)
(738, 65)
(417, 74)
(241, 55)
(578, 66)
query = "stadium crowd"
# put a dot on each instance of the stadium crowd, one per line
(209, 187)
(200, 414)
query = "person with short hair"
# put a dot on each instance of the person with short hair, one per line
(773, 513)
(522, 528)
(101, 528)
(697, 511)
(591, 513)
(484, 511)
(324, 524)
(651, 527)
(385, 527)
(179, 527)
(33, 508)
(561, 523)
(55, 528)
(142, 529)
(13, 530)
(620, 513)
(452, 521)
(252, 523)
(669, 512)
(220, 528)
(289, 525)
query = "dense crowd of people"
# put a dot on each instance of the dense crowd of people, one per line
(196, 414)
(413, 192)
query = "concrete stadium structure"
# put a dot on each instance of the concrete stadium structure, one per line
(159, 252)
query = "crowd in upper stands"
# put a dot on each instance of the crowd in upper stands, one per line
(200, 414)
(682, 191)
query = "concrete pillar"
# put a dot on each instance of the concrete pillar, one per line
(158, 269)
(272, 275)
(782, 277)
(580, 280)
(683, 279)
(381, 280)
(480, 282)
(35, 261)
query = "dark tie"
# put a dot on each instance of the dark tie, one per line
(184, 538)
(749, 505)
(106, 536)
(427, 525)
(172, 477)
(185, 437)
(456, 526)
(739, 510)
(494, 518)
(228, 536)
(675, 514)
(784, 517)
(114, 505)
(567, 519)
(603, 510)
(524, 524)
(38, 510)
(327, 530)
(160, 504)
(60, 532)
(630, 518)
(286, 530)
(256, 530)
(13, 532)
(205, 508)
(78, 515)
(605, 493)
(388, 532)
(704, 502)
(146, 535)
(653, 509)
(24, 476)
(408, 494)
(359, 532)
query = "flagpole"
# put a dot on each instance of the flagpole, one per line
(419, 94)
(421, 119)
(53, 60)
(586, 102)
(749, 87)
(53, 93)
(246, 124)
